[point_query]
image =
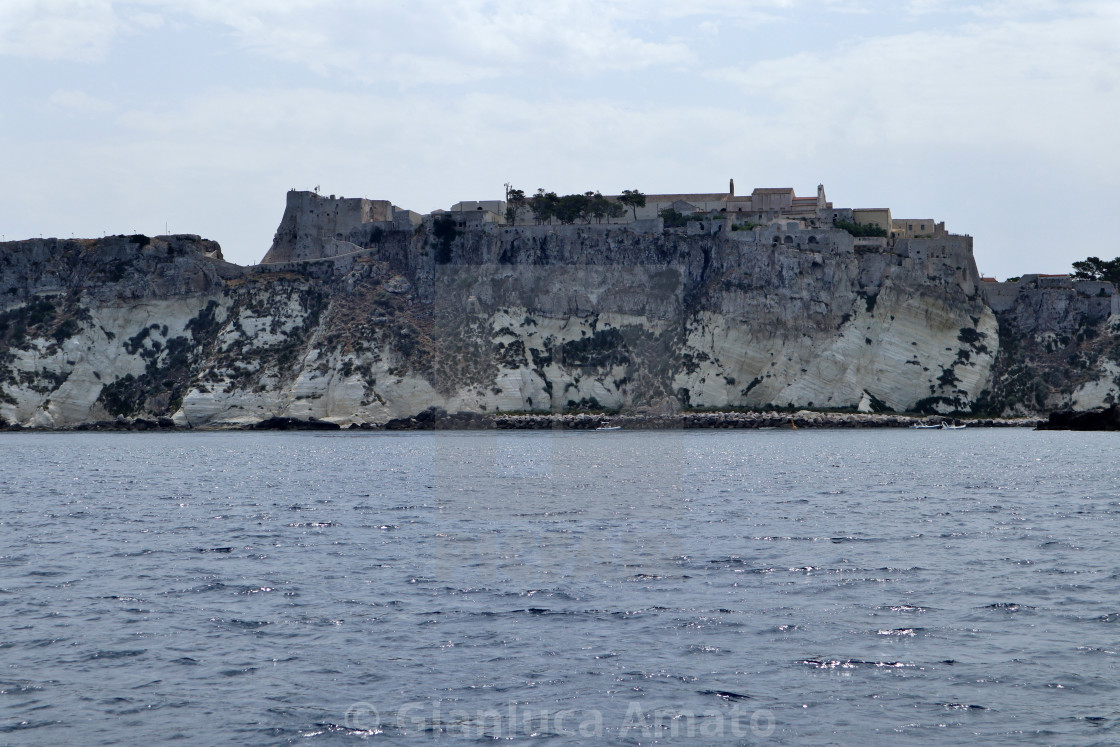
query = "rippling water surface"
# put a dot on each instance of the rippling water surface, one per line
(634, 587)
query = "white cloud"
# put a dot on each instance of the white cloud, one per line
(1044, 87)
(432, 41)
(468, 40)
(80, 30)
(422, 41)
(79, 102)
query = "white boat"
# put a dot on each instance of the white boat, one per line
(948, 427)
(926, 427)
(608, 427)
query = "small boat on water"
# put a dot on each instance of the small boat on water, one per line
(943, 426)
(924, 427)
(948, 427)
(605, 426)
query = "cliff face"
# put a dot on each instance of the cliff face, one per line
(396, 319)
(81, 320)
(1059, 349)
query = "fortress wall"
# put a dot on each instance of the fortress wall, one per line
(1054, 282)
(406, 219)
(952, 253)
(656, 203)
(309, 219)
(1094, 287)
(716, 225)
(348, 213)
(1000, 296)
(950, 246)
(791, 234)
(1089, 301)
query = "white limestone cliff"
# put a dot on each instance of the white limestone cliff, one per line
(537, 318)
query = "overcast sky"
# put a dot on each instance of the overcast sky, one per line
(996, 116)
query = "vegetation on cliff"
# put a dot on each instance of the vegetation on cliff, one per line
(1094, 268)
(587, 207)
(860, 230)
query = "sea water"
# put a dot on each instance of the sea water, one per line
(693, 587)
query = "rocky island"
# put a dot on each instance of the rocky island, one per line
(363, 314)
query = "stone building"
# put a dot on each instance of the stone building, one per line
(916, 228)
(879, 217)
(762, 205)
(315, 226)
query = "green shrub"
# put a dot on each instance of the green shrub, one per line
(860, 230)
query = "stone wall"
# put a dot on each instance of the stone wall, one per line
(1000, 296)
(310, 220)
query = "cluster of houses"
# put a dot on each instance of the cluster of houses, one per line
(316, 227)
(762, 206)
(715, 211)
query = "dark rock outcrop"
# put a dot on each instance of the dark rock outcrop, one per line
(1088, 420)
(295, 424)
(436, 418)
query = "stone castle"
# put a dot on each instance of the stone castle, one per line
(316, 227)
(762, 206)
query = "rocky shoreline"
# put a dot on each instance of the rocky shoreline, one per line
(749, 420)
(688, 420)
(436, 419)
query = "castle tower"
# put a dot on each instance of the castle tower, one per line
(732, 188)
(821, 204)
